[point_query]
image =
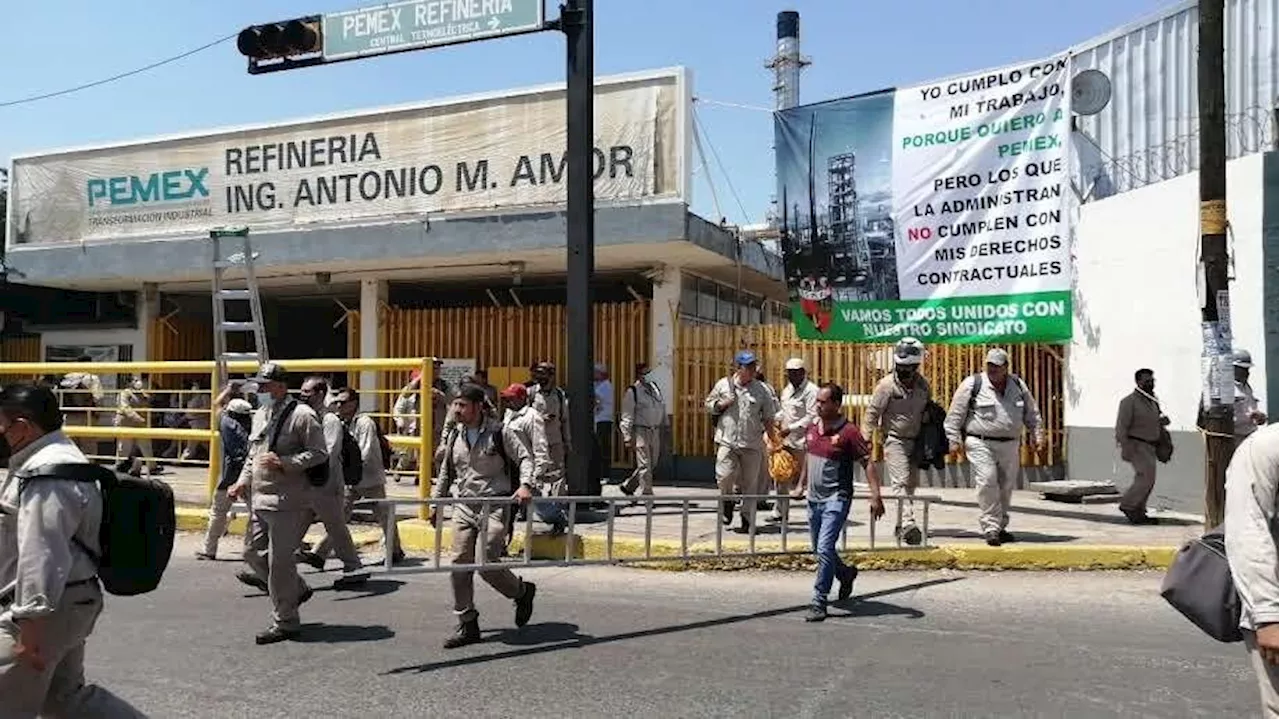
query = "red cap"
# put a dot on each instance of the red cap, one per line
(515, 391)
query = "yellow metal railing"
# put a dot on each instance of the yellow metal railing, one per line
(387, 370)
(704, 353)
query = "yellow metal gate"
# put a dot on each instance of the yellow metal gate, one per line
(704, 354)
(510, 338)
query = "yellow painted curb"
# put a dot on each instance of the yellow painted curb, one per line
(419, 536)
(192, 519)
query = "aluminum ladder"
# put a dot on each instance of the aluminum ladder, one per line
(222, 294)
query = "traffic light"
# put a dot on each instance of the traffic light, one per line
(281, 39)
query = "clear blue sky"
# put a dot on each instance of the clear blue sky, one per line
(856, 46)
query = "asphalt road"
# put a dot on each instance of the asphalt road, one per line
(633, 643)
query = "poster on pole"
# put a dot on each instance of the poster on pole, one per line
(937, 212)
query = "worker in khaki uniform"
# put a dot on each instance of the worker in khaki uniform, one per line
(373, 477)
(897, 410)
(987, 416)
(128, 401)
(81, 393)
(798, 408)
(328, 501)
(481, 459)
(643, 415)
(1248, 411)
(50, 598)
(552, 405)
(286, 439)
(1138, 424)
(743, 409)
(1253, 553)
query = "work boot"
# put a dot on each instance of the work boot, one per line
(744, 525)
(351, 580)
(1006, 537)
(817, 613)
(252, 580)
(993, 539)
(726, 512)
(312, 559)
(206, 556)
(912, 536)
(524, 604)
(846, 583)
(276, 634)
(468, 632)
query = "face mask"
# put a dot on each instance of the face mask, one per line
(265, 399)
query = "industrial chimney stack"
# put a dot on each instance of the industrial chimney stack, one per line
(787, 63)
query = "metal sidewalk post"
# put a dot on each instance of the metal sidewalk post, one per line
(223, 294)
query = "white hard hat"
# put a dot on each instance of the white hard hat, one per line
(794, 363)
(908, 351)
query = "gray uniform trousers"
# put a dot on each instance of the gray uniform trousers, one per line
(329, 506)
(1142, 456)
(904, 477)
(467, 539)
(1267, 677)
(995, 466)
(648, 445)
(380, 512)
(275, 536)
(59, 690)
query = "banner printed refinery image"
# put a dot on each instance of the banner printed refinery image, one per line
(938, 212)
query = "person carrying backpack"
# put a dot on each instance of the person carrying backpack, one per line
(988, 413)
(477, 461)
(365, 477)
(50, 593)
(286, 447)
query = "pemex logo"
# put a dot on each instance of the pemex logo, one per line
(132, 191)
(816, 302)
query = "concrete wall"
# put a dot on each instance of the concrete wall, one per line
(1137, 306)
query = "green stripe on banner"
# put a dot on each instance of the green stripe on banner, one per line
(1030, 317)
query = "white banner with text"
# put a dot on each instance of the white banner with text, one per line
(489, 154)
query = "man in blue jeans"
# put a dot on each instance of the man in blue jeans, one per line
(833, 446)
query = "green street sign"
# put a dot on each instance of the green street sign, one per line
(418, 24)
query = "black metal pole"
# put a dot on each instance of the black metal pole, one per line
(1218, 419)
(580, 214)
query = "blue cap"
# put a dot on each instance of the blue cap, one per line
(745, 357)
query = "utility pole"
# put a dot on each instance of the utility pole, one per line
(576, 23)
(1215, 313)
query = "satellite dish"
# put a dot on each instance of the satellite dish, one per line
(1090, 92)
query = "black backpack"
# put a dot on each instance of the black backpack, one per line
(384, 444)
(317, 474)
(138, 525)
(352, 459)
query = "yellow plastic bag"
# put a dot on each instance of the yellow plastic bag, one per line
(783, 467)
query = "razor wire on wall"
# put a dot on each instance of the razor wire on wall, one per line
(1100, 176)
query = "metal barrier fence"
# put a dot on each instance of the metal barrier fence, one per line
(371, 376)
(688, 551)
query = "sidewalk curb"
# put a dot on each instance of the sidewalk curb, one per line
(194, 519)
